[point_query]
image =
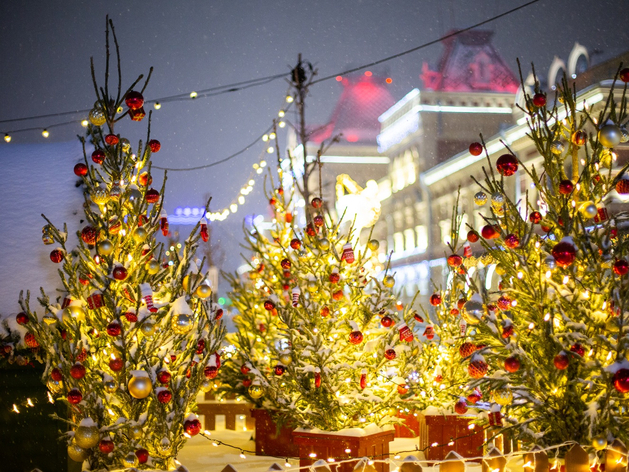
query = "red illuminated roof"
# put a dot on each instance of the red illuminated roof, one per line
(470, 63)
(363, 100)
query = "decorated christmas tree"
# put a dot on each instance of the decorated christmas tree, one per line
(132, 339)
(550, 344)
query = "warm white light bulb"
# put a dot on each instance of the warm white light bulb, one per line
(45, 133)
(157, 105)
(7, 138)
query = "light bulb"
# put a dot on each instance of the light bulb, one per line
(157, 105)
(193, 95)
(289, 99)
(7, 138)
(281, 124)
(281, 113)
(45, 133)
(84, 123)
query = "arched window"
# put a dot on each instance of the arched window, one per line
(579, 60)
(556, 72)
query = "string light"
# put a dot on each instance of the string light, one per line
(193, 95)
(157, 105)
(84, 123)
(45, 133)
(7, 138)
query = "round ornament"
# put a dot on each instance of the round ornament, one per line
(502, 396)
(55, 386)
(77, 453)
(624, 135)
(279, 370)
(140, 386)
(144, 179)
(539, 99)
(136, 432)
(142, 455)
(210, 371)
(557, 148)
(295, 244)
(588, 210)
(140, 235)
(386, 321)
(255, 391)
(472, 312)
(388, 281)
(610, 135)
(497, 200)
(507, 165)
(152, 267)
(621, 380)
(74, 396)
(454, 260)
(77, 371)
(203, 291)
(55, 374)
(100, 196)
(561, 361)
(97, 116)
(621, 267)
(435, 299)
(489, 232)
(535, 217)
(152, 196)
(155, 145)
(56, 255)
(467, 349)
(566, 187)
(390, 354)
(622, 186)
(164, 396)
(477, 369)
(80, 169)
(355, 337)
(476, 149)
(31, 341)
(512, 241)
(460, 407)
(116, 364)
(564, 253)
(472, 236)
(114, 329)
(134, 100)
(512, 364)
(579, 137)
(316, 203)
(324, 244)
(110, 386)
(105, 248)
(119, 273)
(206, 385)
(182, 323)
(318, 221)
(373, 244)
(106, 446)
(624, 75)
(192, 427)
(286, 358)
(599, 443)
(480, 198)
(163, 376)
(130, 460)
(87, 436)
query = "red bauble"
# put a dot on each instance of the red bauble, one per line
(269, 305)
(355, 337)
(535, 217)
(200, 346)
(390, 354)
(418, 318)
(164, 396)
(163, 376)
(564, 254)
(566, 187)
(311, 231)
(467, 349)
(316, 203)
(247, 383)
(504, 302)
(142, 455)
(512, 241)
(56, 375)
(621, 380)
(210, 372)
(512, 364)
(561, 361)
(98, 156)
(155, 145)
(473, 398)
(56, 255)
(477, 369)
(285, 264)
(621, 267)
(402, 389)
(539, 99)
(131, 317)
(114, 329)
(244, 369)
(134, 100)
(219, 314)
(460, 407)
(144, 179)
(81, 355)
(74, 396)
(152, 196)
(460, 302)
(120, 273)
(295, 243)
(579, 137)
(21, 318)
(325, 311)
(435, 299)
(507, 165)
(279, 369)
(318, 220)
(472, 236)
(77, 371)
(489, 232)
(111, 139)
(31, 341)
(106, 446)
(272, 201)
(116, 364)
(622, 186)
(338, 295)
(89, 235)
(454, 260)
(577, 349)
(386, 321)
(192, 427)
(334, 277)
(476, 149)
(80, 169)
(624, 75)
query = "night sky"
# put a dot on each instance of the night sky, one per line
(194, 45)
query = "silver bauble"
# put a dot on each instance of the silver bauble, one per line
(624, 135)
(610, 135)
(599, 443)
(134, 194)
(472, 312)
(147, 327)
(182, 323)
(480, 198)
(324, 244)
(497, 199)
(105, 247)
(126, 145)
(130, 460)
(557, 147)
(550, 263)
(110, 386)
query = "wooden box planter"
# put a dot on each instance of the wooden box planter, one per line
(326, 445)
(444, 430)
(409, 427)
(270, 440)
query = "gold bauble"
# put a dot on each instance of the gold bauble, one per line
(500, 270)
(324, 244)
(164, 447)
(87, 436)
(312, 286)
(136, 432)
(206, 385)
(472, 312)
(126, 145)
(486, 259)
(77, 453)
(147, 328)
(203, 291)
(502, 397)
(373, 244)
(152, 267)
(286, 358)
(73, 312)
(182, 323)
(104, 248)
(191, 278)
(557, 147)
(605, 159)
(388, 281)
(130, 460)
(599, 443)
(140, 235)
(588, 210)
(100, 196)
(480, 198)
(140, 387)
(110, 386)
(55, 386)
(97, 116)
(255, 391)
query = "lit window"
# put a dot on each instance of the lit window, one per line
(398, 242)
(422, 238)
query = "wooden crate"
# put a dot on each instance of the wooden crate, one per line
(409, 428)
(271, 441)
(443, 430)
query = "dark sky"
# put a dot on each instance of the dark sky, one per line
(46, 47)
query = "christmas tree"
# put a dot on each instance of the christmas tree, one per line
(132, 340)
(550, 344)
(321, 341)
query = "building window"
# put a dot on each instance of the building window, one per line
(403, 173)
(398, 242)
(446, 228)
(409, 239)
(422, 238)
